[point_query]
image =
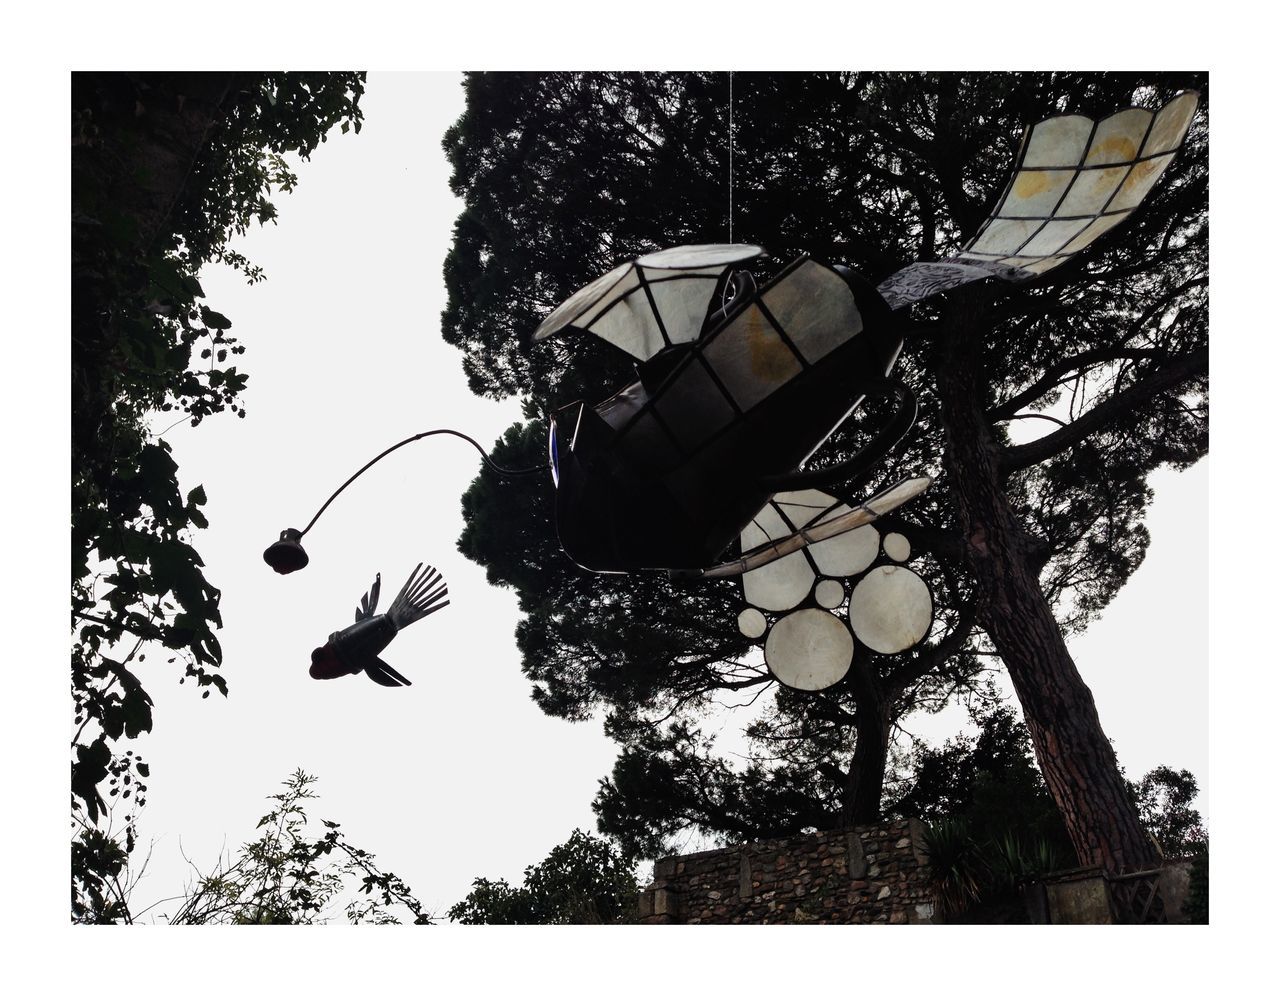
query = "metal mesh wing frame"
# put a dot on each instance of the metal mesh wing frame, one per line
(1074, 180)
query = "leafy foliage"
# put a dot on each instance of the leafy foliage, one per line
(990, 781)
(1164, 803)
(166, 167)
(566, 174)
(993, 826)
(287, 876)
(956, 866)
(583, 880)
(1196, 908)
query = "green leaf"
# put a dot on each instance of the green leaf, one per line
(137, 715)
(214, 320)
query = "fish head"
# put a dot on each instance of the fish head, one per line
(325, 663)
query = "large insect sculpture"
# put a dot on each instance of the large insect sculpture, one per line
(698, 466)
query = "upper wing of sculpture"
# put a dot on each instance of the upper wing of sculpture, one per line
(651, 302)
(1075, 180)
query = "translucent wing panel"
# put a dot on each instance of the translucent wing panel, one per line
(750, 358)
(698, 257)
(1075, 180)
(1091, 190)
(1058, 142)
(809, 650)
(783, 583)
(682, 303)
(1036, 192)
(1139, 182)
(1171, 124)
(891, 609)
(779, 585)
(644, 305)
(631, 325)
(817, 309)
(846, 553)
(691, 406)
(579, 302)
(1119, 138)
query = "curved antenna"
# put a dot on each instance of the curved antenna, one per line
(504, 471)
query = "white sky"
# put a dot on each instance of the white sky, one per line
(460, 775)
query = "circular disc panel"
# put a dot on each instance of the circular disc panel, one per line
(752, 623)
(897, 546)
(696, 257)
(829, 593)
(847, 553)
(891, 609)
(581, 300)
(780, 585)
(809, 649)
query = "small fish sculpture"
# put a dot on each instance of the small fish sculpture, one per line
(356, 648)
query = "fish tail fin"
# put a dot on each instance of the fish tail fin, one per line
(421, 595)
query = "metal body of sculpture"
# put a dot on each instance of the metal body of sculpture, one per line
(667, 472)
(356, 648)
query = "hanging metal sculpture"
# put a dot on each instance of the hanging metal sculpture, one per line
(726, 407)
(697, 467)
(701, 453)
(356, 648)
(730, 402)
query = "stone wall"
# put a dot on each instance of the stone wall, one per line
(870, 874)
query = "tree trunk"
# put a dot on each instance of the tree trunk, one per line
(872, 723)
(1074, 754)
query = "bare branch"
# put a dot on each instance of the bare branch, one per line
(1051, 377)
(1171, 375)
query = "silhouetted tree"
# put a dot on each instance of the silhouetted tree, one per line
(565, 174)
(289, 876)
(583, 880)
(166, 167)
(1164, 803)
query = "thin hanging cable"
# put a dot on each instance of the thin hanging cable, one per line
(504, 471)
(730, 157)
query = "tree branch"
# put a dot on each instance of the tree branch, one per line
(949, 646)
(1173, 374)
(1007, 409)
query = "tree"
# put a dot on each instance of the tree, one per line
(285, 876)
(564, 175)
(166, 167)
(583, 880)
(990, 781)
(1164, 803)
(992, 825)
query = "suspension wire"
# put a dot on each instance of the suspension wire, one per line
(504, 471)
(731, 157)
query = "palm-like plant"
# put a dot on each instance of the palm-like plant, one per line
(956, 866)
